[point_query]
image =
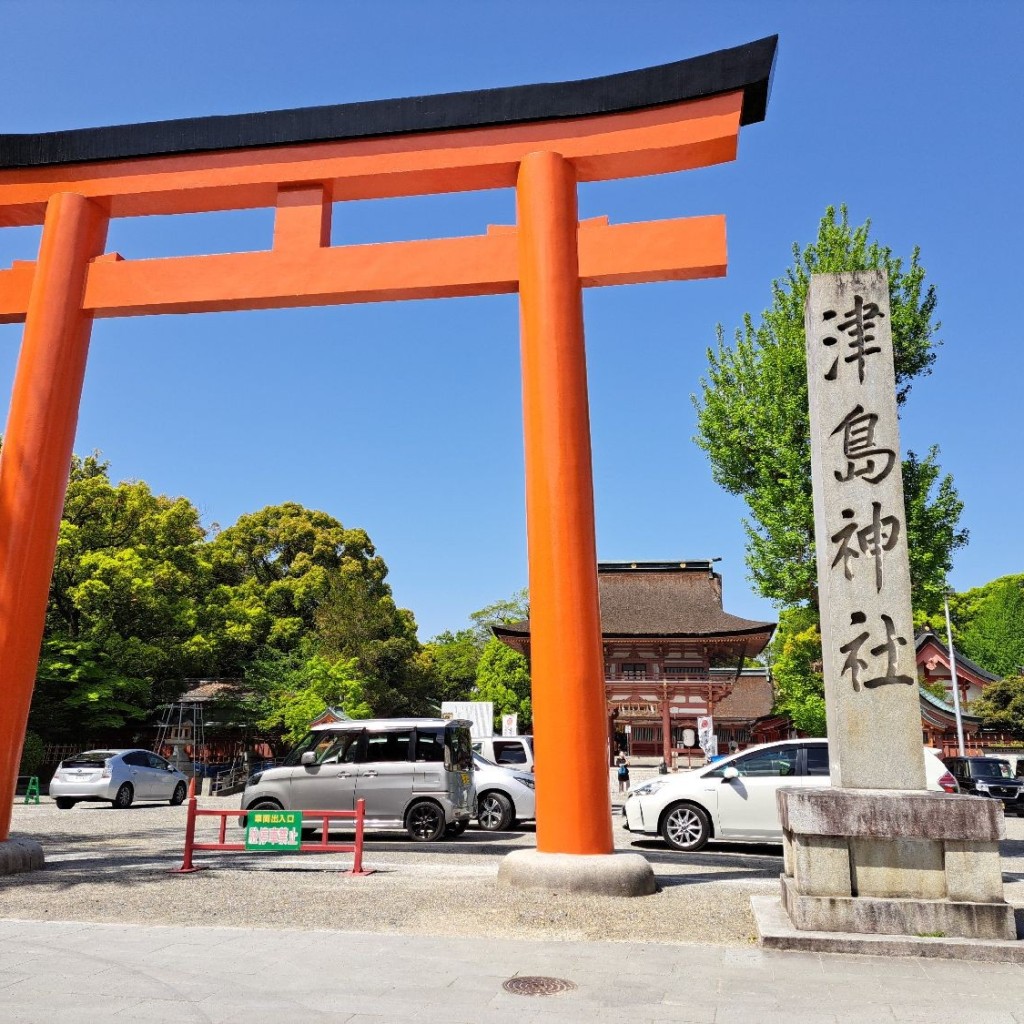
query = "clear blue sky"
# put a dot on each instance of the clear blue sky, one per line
(404, 418)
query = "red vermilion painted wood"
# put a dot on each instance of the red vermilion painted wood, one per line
(567, 665)
(36, 456)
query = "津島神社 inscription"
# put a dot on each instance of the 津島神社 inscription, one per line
(874, 721)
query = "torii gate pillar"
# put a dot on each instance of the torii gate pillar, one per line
(567, 659)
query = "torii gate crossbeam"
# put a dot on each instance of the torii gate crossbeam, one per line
(542, 140)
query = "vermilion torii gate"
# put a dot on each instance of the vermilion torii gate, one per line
(540, 139)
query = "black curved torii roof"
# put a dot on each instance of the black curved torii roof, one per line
(747, 68)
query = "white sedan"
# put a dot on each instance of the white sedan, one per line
(503, 796)
(118, 776)
(734, 798)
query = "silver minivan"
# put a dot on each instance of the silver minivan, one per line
(413, 773)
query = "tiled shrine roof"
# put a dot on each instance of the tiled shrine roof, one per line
(663, 600)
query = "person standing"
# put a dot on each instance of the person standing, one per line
(622, 772)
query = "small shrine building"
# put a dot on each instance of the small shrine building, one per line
(671, 655)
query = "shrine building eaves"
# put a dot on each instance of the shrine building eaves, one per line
(746, 68)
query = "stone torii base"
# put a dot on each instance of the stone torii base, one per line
(607, 874)
(19, 855)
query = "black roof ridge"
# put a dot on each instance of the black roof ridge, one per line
(747, 67)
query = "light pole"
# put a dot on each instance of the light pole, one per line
(956, 685)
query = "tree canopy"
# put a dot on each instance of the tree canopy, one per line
(990, 622)
(287, 600)
(1001, 705)
(126, 619)
(752, 420)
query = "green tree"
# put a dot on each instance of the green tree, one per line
(991, 624)
(297, 690)
(450, 660)
(273, 570)
(125, 616)
(357, 618)
(796, 670)
(752, 420)
(512, 609)
(1001, 705)
(503, 676)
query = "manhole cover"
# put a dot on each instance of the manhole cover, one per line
(527, 986)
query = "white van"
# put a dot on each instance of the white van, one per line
(413, 773)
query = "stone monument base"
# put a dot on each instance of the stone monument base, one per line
(18, 855)
(607, 874)
(894, 863)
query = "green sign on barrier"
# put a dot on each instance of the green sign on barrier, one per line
(274, 831)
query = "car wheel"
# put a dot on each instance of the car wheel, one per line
(178, 797)
(685, 827)
(65, 803)
(259, 805)
(424, 822)
(494, 812)
(455, 829)
(125, 795)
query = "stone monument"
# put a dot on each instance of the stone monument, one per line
(876, 853)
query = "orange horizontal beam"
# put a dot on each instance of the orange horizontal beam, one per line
(668, 250)
(676, 137)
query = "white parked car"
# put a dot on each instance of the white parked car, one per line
(734, 798)
(120, 776)
(503, 796)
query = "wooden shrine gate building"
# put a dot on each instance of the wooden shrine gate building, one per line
(671, 653)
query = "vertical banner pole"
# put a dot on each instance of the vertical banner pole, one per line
(36, 457)
(574, 811)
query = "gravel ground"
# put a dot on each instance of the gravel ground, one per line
(112, 865)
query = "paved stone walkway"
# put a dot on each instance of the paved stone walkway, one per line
(85, 973)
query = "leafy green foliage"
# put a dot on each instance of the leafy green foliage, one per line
(450, 660)
(298, 690)
(752, 419)
(32, 752)
(513, 609)
(357, 618)
(503, 676)
(796, 670)
(991, 624)
(125, 617)
(1001, 705)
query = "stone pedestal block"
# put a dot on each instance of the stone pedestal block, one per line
(894, 863)
(18, 855)
(608, 874)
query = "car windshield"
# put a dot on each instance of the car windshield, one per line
(480, 759)
(990, 769)
(89, 759)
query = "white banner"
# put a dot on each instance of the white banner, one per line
(706, 739)
(509, 725)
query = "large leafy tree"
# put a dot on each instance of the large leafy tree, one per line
(357, 618)
(274, 568)
(503, 676)
(296, 690)
(991, 624)
(125, 620)
(450, 660)
(1001, 705)
(752, 420)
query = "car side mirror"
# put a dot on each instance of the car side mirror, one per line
(730, 773)
(308, 758)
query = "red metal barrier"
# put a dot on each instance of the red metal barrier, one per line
(324, 845)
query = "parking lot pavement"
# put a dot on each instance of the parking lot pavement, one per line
(112, 865)
(87, 973)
